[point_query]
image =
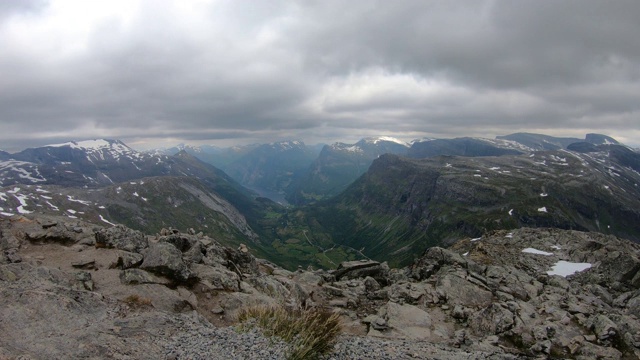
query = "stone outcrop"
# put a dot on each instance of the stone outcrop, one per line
(495, 295)
(121, 238)
(166, 260)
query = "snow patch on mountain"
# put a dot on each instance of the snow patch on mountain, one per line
(23, 203)
(83, 202)
(506, 144)
(566, 268)
(536, 252)
(106, 221)
(375, 140)
(23, 170)
(101, 149)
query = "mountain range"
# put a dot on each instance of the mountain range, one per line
(379, 198)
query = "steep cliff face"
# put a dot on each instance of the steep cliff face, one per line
(401, 205)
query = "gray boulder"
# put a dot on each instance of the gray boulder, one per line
(216, 278)
(604, 329)
(182, 242)
(401, 321)
(122, 238)
(362, 269)
(459, 291)
(432, 260)
(164, 259)
(495, 319)
(127, 260)
(138, 276)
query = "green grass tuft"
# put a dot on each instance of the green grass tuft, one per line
(310, 333)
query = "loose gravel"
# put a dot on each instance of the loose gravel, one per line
(203, 341)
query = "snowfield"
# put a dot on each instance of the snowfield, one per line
(565, 268)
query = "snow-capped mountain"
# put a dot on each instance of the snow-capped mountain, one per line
(100, 149)
(105, 181)
(84, 163)
(373, 146)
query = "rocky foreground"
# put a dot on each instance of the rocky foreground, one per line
(75, 290)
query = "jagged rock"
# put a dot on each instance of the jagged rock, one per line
(215, 254)
(84, 280)
(376, 322)
(604, 329)
(623, 298)
(592, 351)
(494, 319)
(87, 264)
(339, 303)
(633, 305)
(621, 267)
(601, 293)
(241, 262)
(166, 260)
(193, 255)
(12, 256)
(406, 321)
(332, 290)
(432, 260)
(513, 282)
(164, 298)
(458, 291)
(127, 260)
(361, 269)
(182, 242)
(188, 296)
(122, 238)
(460, 337)
(216, 278)
(543, 346)
(296, 295)
(507, 303)
(58, 233)
(305, 278)
(411, 293)
(217, 310)
(371, 285)
(138, 276)
(8, 240)
(460, 312)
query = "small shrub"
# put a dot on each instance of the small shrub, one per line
(310, 333)
(136, 300)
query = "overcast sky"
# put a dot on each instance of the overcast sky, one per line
(157, 73)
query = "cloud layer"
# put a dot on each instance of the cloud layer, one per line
(224, 72)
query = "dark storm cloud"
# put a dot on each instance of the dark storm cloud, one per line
(148, 72)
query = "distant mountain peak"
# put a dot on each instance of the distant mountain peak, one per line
(600, 139)
(377, 139)
(287, 144)
(95, 144)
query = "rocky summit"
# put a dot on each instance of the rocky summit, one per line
(71, 289)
